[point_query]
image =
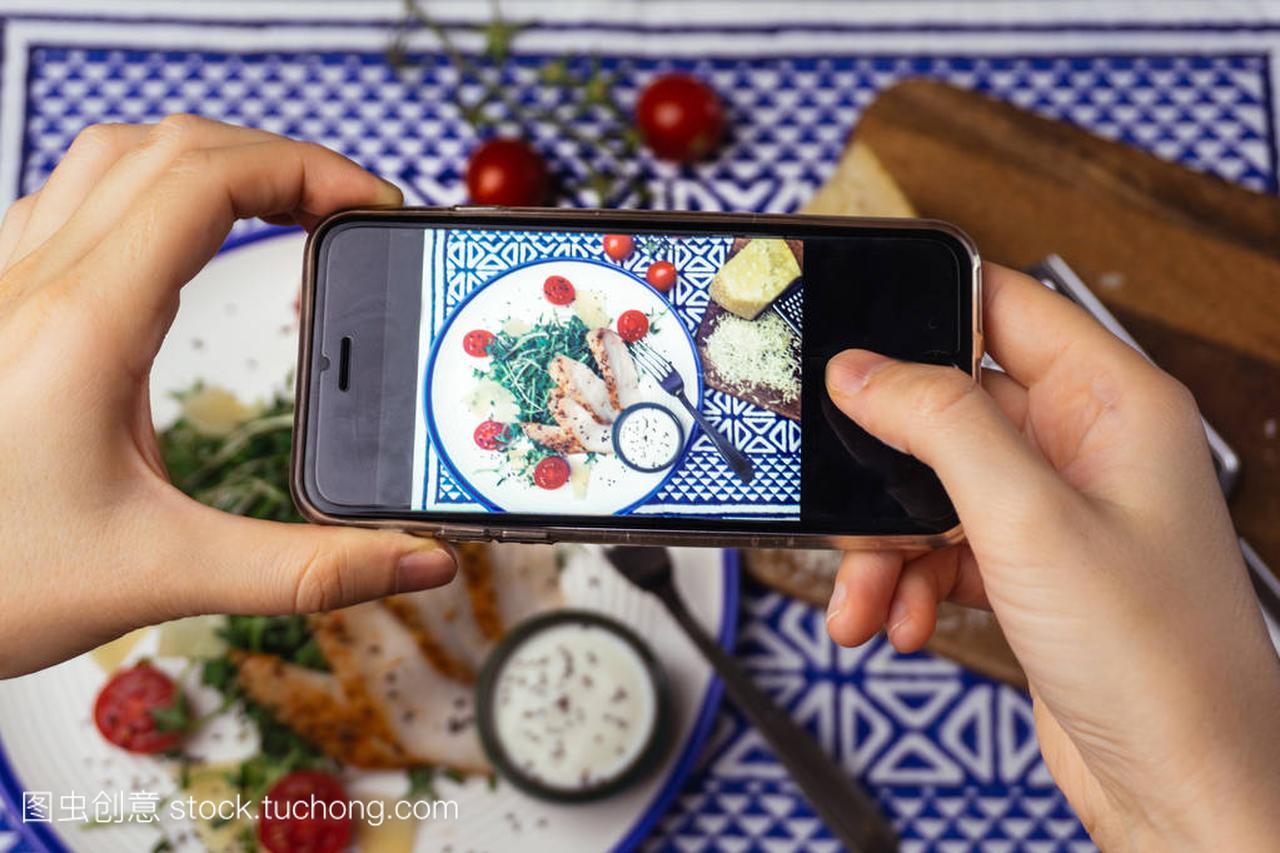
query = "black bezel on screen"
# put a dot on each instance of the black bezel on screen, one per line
(962, 355)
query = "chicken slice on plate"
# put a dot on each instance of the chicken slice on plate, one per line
(555, 438)
(526, 581)
(574, 417)
(315, 705)
(445, 628)
(430, 715)
(616, 366)
(580, 384)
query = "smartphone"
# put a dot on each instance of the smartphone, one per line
(539, 375)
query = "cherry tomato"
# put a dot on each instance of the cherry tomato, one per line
(680, 117)
(661, 274)
(123, 709)
(619, 246)
(477, 342)
(551, 473)
(507, 172)
(632, 326)
(291, 821)
(491, 435)
(558, 289)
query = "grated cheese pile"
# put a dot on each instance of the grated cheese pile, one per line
(756, 352)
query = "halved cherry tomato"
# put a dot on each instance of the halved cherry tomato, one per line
(632, 326)
(291, 821)
(551, 473)
(491, 435)
(477, 342)
(558, 289)
(123, 710)
(661, 274)
(619, 246)
(507, 172)
(680, 117)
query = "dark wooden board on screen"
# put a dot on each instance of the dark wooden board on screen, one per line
(1188, 262)
(757, 395)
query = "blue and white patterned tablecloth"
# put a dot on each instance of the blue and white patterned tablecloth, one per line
(951, 755)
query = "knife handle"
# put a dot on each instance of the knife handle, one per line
(847, 810)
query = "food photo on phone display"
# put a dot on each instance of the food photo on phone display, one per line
(569, 372)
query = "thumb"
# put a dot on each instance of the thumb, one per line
(944, 418)
(244, 565)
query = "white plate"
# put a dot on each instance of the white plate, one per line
(236, 329)
(517, 293)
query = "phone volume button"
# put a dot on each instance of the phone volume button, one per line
(526, 536)
(464, 534)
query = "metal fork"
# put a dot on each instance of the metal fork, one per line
(668, 378)
(848, 811)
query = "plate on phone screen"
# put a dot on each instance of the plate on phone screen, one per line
(236, 329)
(490, 373)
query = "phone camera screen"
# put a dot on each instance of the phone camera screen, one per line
(593, 374)
(580, 373)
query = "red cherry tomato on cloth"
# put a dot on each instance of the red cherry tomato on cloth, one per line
(558, 289)
(551, 473)
(123, 710)
(507, 172)
(291, 821)
(661, 274)
(491, 435)
(619, 246)
(632, 326)
(680, 117)
(477, 342)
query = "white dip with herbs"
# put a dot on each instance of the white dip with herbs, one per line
(574, 706)
(648, 438)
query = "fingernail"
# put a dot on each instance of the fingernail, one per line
(423, 569)
(838, 596)
(899, 615)
(849, 371)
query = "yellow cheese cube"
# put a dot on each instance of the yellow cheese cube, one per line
(754, 277)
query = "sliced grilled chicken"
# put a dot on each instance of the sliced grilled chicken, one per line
(444, 628)
(430, 715)
(526, 581)
(580, 383)
(556, 438)
(616, 366)
(314, 704)
(574, 417)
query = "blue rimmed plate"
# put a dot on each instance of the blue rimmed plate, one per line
(515, 300)
(236, 329)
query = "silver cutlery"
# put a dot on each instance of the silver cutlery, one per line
(846, 809)
(669, 380)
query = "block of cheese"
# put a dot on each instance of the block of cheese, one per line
(754, 277)
(860, 186)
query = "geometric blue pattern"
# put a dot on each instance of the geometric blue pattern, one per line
(951, 756)
(1199, 95)
(473, 258)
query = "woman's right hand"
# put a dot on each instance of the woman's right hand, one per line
(1097, 533)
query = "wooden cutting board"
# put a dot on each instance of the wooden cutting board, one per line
(758, 395)
(1188, 263)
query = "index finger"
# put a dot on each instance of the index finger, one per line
(171, 231)
(1029, 328)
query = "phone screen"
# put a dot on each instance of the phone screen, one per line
(623, 374)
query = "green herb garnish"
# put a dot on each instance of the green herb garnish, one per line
(519, 362)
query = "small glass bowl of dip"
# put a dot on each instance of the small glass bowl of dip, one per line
(648, 437)
(572, 706)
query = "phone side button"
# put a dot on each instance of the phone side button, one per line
(527, 536)
(464, 534)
